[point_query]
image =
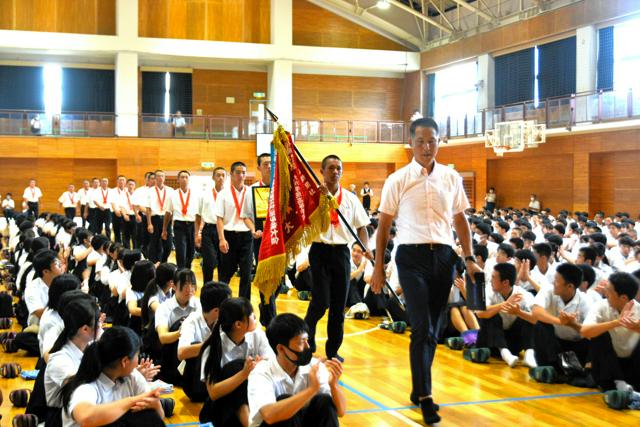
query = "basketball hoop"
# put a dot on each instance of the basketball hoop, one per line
(514, 136)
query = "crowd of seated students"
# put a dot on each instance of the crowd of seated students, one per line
(105, 324)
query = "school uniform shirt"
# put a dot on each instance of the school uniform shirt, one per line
(549, 276)
(194, 330)
(104, 390)
(207, 205)
(169, 312)
(63, 238)
(8, 204)
(91, 197)
(368, 269)
(84, 195)
(423, 204)
(127, 205)
(119, 198)
(526, 302)
(160, 296)
(183, 205)
(230, 212)
(618, 261)
(353, 212)
(553, 304)
(122, 283)
(103, 198)
(268, 380)
(36, 296)
(32, 195)
(62, 365)
(69, 199)
(158, 200)
(141, 196)
(624, 341)
(51, 326)
(21, 272)
(132, 295)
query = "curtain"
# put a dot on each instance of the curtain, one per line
(605, 58)
(153, 88)
(557, 68)
(88, 90)
(21, 88)
(180, 93)
(514, 77)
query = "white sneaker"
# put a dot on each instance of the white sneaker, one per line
(530, 358)
(508, 357)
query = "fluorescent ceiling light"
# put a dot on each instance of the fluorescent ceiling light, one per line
(383, 4)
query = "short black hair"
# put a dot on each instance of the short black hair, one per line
(425, 122)
(526, 254)
(504, 225)
(588, 253)
(529, 235)
(484, 228)
(235, 165)
(506, 271)
(130, 257)
(60, 285)
(329, 157)
(598, 237)
(507, 249)
(42, 261)
(184, 276)
(283, 328)
(184, 171)
(570, 273)
(588, 274)
(624, 284)
(262, 156)
(481, 252)
(213, 294)
(543, 249)
(219, 168)
(497, 237)
(517, 242)
(627, 241)
(560, 229)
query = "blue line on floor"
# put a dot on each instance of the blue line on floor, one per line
(364, 396)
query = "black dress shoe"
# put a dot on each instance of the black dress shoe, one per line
(416, 401)
(429, 413)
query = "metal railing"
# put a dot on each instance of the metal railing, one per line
(351, 131)
(561, 112)
(24, 122)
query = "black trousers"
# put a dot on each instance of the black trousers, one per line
(27, 341)
(103, 219)
(426, 275)
(142, 235)
(267, 306)
(320, 412)
(493, 335)
(83, 209)
(9, 213)
(159, 250)
(33, 209)
(608, 367)
(330, 269)
(356, 291)
(195, 389)
(548, 346)
(239, 256)
(70, 212)
(222, 412)
(92, 219)
(129, 235)
(117, 222)
(209, 249)
(183, 241)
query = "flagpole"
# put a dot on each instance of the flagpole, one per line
(344, 220)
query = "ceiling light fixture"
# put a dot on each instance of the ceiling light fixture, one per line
(383, 4)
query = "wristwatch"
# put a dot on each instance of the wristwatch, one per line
(470, 258)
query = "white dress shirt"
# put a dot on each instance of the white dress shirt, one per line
(194, 330)
(32, 195)
(526, 302)
(91, 197)
(127, 203)
(36, 296)
(424, 205)
(119, 198)
(227, 210)
(553, 304)
(158, 200)
(179, 199)
(624, 341)
(207, 205)
(104, 198)
(51, 325)
(62, 365)
(141, 196)
(69, 199)
(84, 194)
(170, 311)
(353, 212)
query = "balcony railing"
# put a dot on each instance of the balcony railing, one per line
(351, 131)
(24, 122)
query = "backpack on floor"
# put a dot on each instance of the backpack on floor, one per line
(6, 305)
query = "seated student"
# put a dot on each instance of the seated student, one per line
(292, 388)
(95, 260)
(196, 329)
(121, 282)
(603, 269)
(507, 323)
(81, 327)
(544, 267)
(361, 271)
(27, 272)
(51, 323)
(594, 291)
(560, 311)
(80, 251)
(107, 388)
(142, 273)
(622, 255)
(300, 274)
(525, 262)
(461, 318)
(168, 322)
(229, 355)
(505, 253)
(158, 291)
(613, 327)
(529, 238)
(483, 232)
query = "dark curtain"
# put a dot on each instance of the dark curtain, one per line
(557, 68)
(431, 95)
(21, 88)
(605, 58)
(180, 96)
(153, 87)
(514, 77)
(88, 90)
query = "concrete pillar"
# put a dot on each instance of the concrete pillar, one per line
(280, 91)
(127, 94)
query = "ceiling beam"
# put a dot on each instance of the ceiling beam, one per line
(474, 9)
(435, 6)
(425, 18)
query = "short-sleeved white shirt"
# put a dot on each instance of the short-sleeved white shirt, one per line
(51, 325)
(158, 200)
(191, 199)
(423, 206)
(207, 205)
(353, 212)
(140, 197)
(36, 296)
(170, 311)
(624, 341)
(553, 304)
(226, 208)
(84, 194)
(32, 194)
(62, 365)
(526, 302)
(69, 199)
(194, 330)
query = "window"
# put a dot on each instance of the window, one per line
(626, 55)
(52, 81)
(456, 92)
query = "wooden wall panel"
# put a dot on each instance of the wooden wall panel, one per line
(614, 182)
(528, 31)
(212, 87)
(62, 16)
(246, 21)
(315, 26)
(411, 94)
(324, 97)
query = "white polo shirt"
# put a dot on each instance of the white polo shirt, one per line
(127, 202)
(91, 197)
(188, 201)
(170, 311)
(268, 380)
(36, 296)
(494, 298)
(207, 205)
(158, 200)
(103, 198)
(353, 212)
(51, 325)
(84, 194)
(624, 341)
(141, 197)
(69, 199)
(423, 205)
(194, 330)
(553, 304)
(160, 296)
(32, 195)
(104, 390)
(119, 198)
(62, 365)
(227, 210)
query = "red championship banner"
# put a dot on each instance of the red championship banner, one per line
(297, 214)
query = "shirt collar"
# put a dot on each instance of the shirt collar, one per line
(419, 170)
(229, 345)
(107, 383)
(74, 351)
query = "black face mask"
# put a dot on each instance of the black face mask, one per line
(303, 357)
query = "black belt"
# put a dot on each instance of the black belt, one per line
(237, 232)
(428, 246)
(183, 222)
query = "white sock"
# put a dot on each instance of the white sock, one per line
(530, 358)
(622, 386)
(508, 357)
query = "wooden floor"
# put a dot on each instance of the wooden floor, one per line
(377, 383)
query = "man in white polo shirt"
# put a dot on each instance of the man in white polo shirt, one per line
(182, 208)
(158, 205)
(140, 202)
(83, 196)
(32, 196)
(69, 201)
(103, 198)
(117, 205)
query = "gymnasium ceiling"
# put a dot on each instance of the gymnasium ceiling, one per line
(425, 24)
